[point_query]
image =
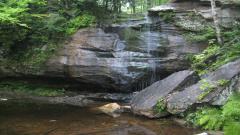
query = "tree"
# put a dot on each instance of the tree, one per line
(216, 22)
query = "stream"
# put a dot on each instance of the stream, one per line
(28, 118)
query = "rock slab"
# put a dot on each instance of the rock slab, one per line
(145, 101)
(181, 101)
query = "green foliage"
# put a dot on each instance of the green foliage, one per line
(30, 60)
(215, 56)
(232, 128)
(227, 54)
(160, 106)
(79, 22)
(14, 16)
(208, 118)
(27, 26)
(167, 16)
(200, 62)
(204, 35)
(25, 88)
(207, 87)
(231, 110)
(213, 118)
(35, 56)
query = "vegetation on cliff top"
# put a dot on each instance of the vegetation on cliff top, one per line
(31, 30)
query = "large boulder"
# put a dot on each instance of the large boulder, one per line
(214, 89)
(145, 101)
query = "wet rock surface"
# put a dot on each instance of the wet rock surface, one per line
(103, 60)
(145, 101)
(117, 59)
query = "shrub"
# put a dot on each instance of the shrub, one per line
(202, 61)
(208, 118)
(79, 22)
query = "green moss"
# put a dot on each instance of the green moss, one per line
(207, 88)
(26, 88)
(160, 106)
(223, 82)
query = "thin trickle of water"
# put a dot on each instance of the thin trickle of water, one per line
(138, 51)
(153, 68)
(150, 45)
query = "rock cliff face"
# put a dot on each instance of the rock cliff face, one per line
(122, 59)
(228, 11)
(100, 59)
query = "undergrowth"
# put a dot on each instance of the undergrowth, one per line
(200, 36)
(216, 55)
(214, 118)
(26, 88)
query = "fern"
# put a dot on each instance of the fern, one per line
(232, 128)
(232, 108)
(210, 119)
(207, 118)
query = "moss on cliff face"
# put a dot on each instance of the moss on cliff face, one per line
(21, 87)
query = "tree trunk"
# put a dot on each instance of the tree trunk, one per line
(216, 22)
